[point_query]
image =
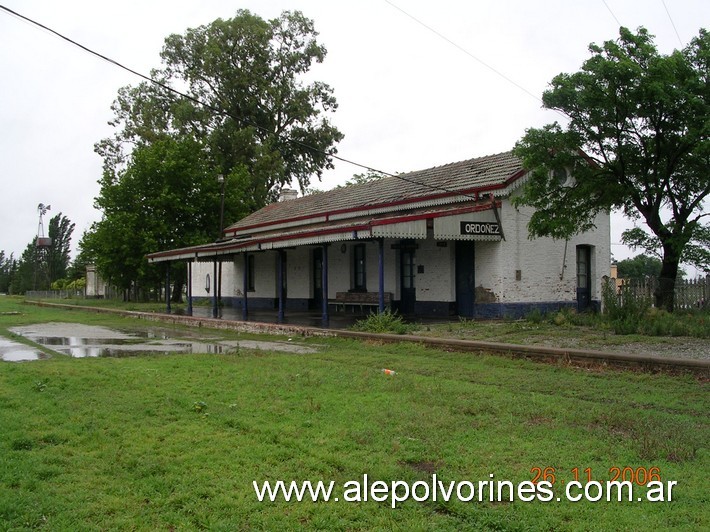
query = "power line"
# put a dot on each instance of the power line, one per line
(672, 23)
(667, 13)
(226, 113)
(464, 50)
(612, 13)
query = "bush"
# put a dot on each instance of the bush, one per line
(386, 322)
(564, 316)
(661, 323)
(624, 311)
(627, 314)
(535, 316)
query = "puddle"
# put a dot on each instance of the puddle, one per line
(16, 352)
(286, 347)
(78, 341)
(74, 340)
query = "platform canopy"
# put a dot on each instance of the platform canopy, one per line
(457, 201)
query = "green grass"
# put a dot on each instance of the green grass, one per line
(118, 304)
(175, 441)
(385, 322)
(660, 333)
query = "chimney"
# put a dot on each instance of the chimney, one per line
(288, 194)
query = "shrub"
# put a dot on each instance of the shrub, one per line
(625, 311)
(535, 316)
(385, 322)
(569, 316)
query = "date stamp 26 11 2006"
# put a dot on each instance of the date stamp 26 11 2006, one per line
(621, 480)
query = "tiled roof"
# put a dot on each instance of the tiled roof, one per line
(313, 233)
(474, 174)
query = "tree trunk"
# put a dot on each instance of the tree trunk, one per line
(176, 296)
(665, 293)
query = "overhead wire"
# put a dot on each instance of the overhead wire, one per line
(224, 112)
(612, 13)
(672, 23)
(665, 6)
(465, 51)
(474, 57)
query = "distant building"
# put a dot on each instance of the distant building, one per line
(444, 241)
(95, 285)
(614, 274)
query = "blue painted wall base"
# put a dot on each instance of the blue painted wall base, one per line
(424, 309)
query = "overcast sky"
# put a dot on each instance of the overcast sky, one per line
(409, 98)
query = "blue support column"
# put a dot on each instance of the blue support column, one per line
(281, 284)
(189, 288)
(381, 265)
(245, 287)
(326, 318)
(219, 289)
(214, 290)
(167, 289)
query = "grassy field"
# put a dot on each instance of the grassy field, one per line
(175, 441)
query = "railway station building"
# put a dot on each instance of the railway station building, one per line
(445, 241)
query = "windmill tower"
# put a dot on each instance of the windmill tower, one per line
(43, 243)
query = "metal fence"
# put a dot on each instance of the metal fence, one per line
(107, 292)
(55, 294)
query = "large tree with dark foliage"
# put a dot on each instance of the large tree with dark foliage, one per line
(637, 141)
(166, 198)
(642, 267)
(38, 268)
(60, 230)
(248, 115)
(8, 266)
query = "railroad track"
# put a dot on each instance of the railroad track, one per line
(572, 356)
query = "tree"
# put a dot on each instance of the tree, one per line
(58, 255)
(77, 269)
(8, 266)
(358, 179)
(28, 270)
(166, 198)
(255, 111)
(38, 268)
(639, 267)
(247, 115)
(642, 266)
(637, 140)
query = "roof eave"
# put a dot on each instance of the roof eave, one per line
(504, 188)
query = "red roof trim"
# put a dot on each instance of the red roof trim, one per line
(319, 232)
(419, 199)
(440, 214)
(264, 240)
(306, 234)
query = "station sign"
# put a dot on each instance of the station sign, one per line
(480, 228)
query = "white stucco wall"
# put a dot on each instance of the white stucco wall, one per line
(299, 280)
(339, 268)
(199, 271)
(95, 285)
(548, 268)
(438, 281)
(547, 272)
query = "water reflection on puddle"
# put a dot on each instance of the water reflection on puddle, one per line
(16, 352)
(81, 341)
(78, 341)
(88, 347)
